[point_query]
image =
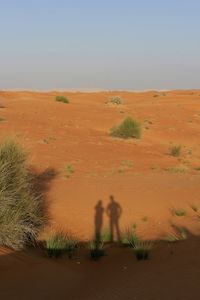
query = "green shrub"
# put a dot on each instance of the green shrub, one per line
(21, 211)
(178, 212)
(142, 249)
(62, 99)
(175, 150)
(69, 170)
(130, 237)
(96, 249)
(129, 128)
(56, 245)
(115, 100)
(60, 243)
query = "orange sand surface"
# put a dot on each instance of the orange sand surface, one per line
(140, 174)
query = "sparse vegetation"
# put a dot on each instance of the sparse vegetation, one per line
(115, 100)
(180, 234)
(178, 212)
(129, 128)
(96, 249)
(177, 169)
(56, 245)
(62, 99)
(60, 243)
(125, 166)
(175, 150)
(130, 237)
(21, 211)
(69, 170)
(142, 249)
(2, 119)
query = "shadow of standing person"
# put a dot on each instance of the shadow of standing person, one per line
(114, 212)
(98, 220)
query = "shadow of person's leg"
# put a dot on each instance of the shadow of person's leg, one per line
(118, 232)
(111, 231)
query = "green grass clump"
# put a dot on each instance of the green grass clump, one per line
(115, 100)
(56, 245)
(142, 249)
(60, 243)
(177, 169)
(179, 235)
(175, 150)
(178, 212)
(62, 99)
(21, 210)
(129, 128)
(96, 249)
(69, 170)
(130, 237)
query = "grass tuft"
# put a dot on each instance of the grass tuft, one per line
(62, 99)
(115, 100)
(129, 128)
(60, 243)
(21, 210)
(175, 150)
(142, 249)
(69, 170)
(96, 249)
(178, 212)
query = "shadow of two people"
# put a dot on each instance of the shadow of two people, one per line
(113, 211)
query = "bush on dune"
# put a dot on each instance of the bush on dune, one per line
(62, 99)
(129, 128)
(21, 213)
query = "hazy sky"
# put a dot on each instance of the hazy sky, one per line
(107, 44)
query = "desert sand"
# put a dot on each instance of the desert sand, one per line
(143, 178)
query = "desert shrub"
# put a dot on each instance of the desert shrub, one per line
(178, 212)
(175, 150)
(142, 249)
(56, 245)
(129, 128)
(60, 243)
(96, 249)
(115, 100)
(62, 99)
(2, 119)
(130, 238)
(177, 169)
(21, 213)
(179, 235)
(69, 170)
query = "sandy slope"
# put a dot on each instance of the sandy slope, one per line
(133, 171)
(57, 134)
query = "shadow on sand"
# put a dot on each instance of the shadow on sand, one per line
(113, 212)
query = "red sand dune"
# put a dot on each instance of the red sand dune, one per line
(133, 171)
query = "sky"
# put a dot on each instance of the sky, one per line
(99, 44)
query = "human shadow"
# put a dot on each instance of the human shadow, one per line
(98, 221)
(114, 212)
